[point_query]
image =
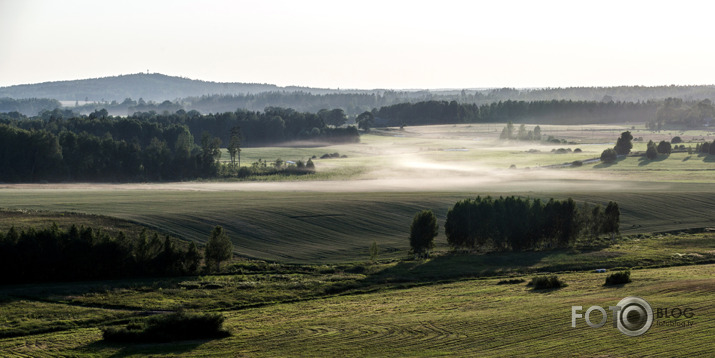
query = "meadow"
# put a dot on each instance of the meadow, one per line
(302, 283)
(463, 318)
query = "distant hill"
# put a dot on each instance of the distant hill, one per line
(150, 87)
(126, 94)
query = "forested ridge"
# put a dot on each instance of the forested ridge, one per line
(127, 94)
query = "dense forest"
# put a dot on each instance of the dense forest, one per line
(84, 253)
(28, 106)
(60, 146)
(553, 112)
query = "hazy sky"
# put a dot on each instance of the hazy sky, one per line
(363, 44)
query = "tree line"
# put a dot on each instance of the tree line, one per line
(151, 89)
(515, 224)
(84, 253)
(40, 155)
(705, 148)
(60, 146)
(676, 113)
(553, 111)
(271, 126)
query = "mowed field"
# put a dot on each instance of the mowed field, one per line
(373, 193)
(315, 227)
(465, 318)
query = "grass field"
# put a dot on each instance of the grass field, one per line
(304, 285)
(465, 318)
(338, 227)
(475, 150)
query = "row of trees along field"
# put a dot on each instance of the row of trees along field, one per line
(146, 146)
(517, 224)
(624, 145)
(84, 253)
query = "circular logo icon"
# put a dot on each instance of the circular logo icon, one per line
(635, 316)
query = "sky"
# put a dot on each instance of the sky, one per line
(363, 44)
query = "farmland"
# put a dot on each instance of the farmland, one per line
(302, 283)
(471, 317)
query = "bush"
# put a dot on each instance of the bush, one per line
(618, 278)
(170, 327)
(609, 156)
(546, 282)
(576, 163)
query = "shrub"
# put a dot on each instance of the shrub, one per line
(577, 150)
(609, 156)
(676, 140)
(546, 282)
(618, 278)
(170, 327)
(576, 163)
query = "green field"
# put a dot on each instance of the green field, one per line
(475, 150)
(465, 318)
(302, 283)
(338, 227)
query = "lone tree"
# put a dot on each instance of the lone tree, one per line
(234, 145)
(219, 248)
(623, 144)
(423, 230)
(664, 147)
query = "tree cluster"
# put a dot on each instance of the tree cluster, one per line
(517, 224)
(706, 148)
(263, 168)
(674, 112)
(83, 253)
(59, 146)
(623, 146)
(40, 155)
(522, 134)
